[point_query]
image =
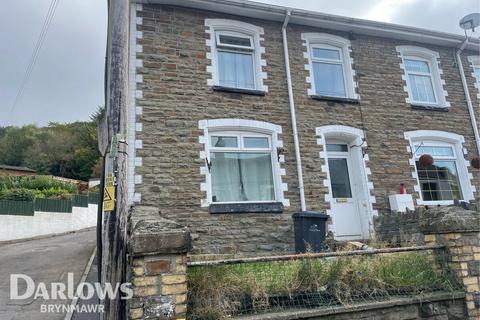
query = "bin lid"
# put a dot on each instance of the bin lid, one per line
(310, 214)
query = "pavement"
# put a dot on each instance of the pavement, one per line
(44, 260)
(85, 303)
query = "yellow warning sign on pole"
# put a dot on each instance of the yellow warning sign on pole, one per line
(109, 198)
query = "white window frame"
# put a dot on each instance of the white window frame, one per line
(328, 41)
(237, 49)
(425, 74)
(475, 64)
(242, 149)
(251, 48)
(330, 61)
(243, 128)
(432, 58)
(453, 158)
(441, 138)
(217, 27)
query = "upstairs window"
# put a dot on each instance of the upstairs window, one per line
(235, 55)
(328, 71)
(422, 75)
(235, 60)
(330, 66)
(420, 80)
(475, 64)
(476, 72)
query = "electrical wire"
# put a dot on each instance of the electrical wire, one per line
(34, 57)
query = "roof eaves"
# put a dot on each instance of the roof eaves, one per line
(322, 20)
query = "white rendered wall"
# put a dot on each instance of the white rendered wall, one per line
(13, 227)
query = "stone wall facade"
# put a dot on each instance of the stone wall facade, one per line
(172, 78)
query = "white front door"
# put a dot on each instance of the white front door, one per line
(346, 209)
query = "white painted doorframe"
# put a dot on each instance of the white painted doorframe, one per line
(349, 214)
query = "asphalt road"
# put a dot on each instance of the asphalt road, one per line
(45, 260)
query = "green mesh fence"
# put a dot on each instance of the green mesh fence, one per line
(93, 198)
(223, 290)
(19, 208)
(80, 200)
(53, 205)
(27, 208)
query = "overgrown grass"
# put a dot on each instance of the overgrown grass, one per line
(222, 291)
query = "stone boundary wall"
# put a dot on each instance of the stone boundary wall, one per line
(157, 266)
(459, 230)
(398, 228)
(443, 306)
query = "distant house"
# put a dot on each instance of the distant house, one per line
(13, 171)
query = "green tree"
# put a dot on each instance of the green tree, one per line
(68, 150)
(15, 142)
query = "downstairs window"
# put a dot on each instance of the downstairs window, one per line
(241, 167)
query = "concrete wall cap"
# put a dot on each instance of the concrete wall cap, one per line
(151, 234)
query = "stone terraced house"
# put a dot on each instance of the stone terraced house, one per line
(243, 113)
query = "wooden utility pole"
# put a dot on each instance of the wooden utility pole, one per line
(116, 82)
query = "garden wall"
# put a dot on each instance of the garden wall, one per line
(40, 223)
(450, 306)
(398, 228)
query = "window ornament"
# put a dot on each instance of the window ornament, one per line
(440, 168)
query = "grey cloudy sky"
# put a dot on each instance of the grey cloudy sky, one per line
(67, 83)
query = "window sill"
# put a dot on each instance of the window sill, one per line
(435, 203)
(252, 92)
(419, 106)
(270, 207)
(335, 99)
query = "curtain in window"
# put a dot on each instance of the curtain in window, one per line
(422, 89)
(329, 79)
(236, 69)
(242, 177)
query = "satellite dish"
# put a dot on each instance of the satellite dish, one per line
(470, 21)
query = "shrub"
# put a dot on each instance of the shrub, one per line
(95, 189)
(36, 183)
(17, 194)
(40, 186)
(55, 193)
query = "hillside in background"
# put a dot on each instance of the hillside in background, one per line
(67, 150)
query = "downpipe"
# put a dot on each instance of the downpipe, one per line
(292, 112)
(467, 94)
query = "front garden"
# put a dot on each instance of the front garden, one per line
(221, 290)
